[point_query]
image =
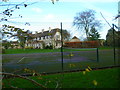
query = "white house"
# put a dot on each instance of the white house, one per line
(45, 38)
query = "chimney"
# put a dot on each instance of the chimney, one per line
(42, 30)
(49, 29)
(36, 32)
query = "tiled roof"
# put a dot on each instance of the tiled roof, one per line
(75, 39)
(46, 33)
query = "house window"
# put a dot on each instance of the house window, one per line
(48, 37)
(56, 44)
(57, 37)
(44, 37)
(39, 38)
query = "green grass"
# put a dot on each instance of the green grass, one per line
(107, 78)
(18, 51)
(106, 47)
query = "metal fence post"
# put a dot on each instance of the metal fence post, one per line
(114, 43)
(61, 48)
(62, 55)
(97, 55)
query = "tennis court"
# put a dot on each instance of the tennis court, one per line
(73, 59)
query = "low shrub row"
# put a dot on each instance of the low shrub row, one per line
(82, 44)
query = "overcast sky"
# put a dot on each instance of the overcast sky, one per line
(44, 14)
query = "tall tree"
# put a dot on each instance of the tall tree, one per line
(109, 38)
(6, 31)
(6, 44)
(7, 14)
(17, 33)
(66, 35)
(85, 20)
(94, 34)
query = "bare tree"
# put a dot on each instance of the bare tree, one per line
(85, 20)
(7, 13)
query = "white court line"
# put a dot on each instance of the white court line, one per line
(21, 59)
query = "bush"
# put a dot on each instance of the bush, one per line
(49, 47)
(28, 47)
(3, 51)
(82, 44)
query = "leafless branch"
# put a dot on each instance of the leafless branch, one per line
(105, 19)
(31, 80)
(57, 85)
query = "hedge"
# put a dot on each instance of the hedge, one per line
(82, 44)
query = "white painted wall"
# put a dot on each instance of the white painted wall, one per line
(56, 35)
(48, 41)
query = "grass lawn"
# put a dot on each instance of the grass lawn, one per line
(107, 78)
(18, 51)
